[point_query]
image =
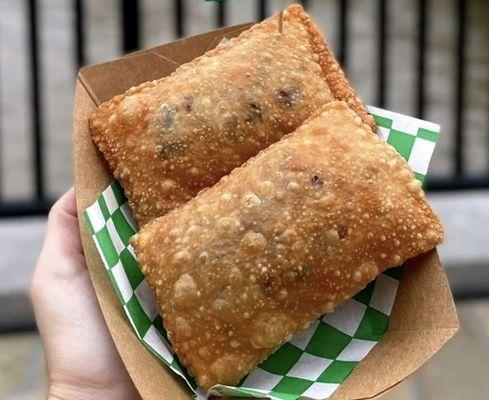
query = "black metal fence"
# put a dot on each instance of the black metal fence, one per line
(130, 17)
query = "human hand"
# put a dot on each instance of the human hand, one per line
(82, 361)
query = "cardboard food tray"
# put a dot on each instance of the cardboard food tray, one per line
(423, 318)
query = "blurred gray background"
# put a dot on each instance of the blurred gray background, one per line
(460, 369)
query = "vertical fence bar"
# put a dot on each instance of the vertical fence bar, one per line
(458, 152)
(421, 61)
(262, 8)
(179, 10)
(221, 14)
(383, 47)
(343, 32)
(1, 152)
(78, 12)
(130, 25)
(37, 123)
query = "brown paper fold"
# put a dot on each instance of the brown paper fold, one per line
(423, 318)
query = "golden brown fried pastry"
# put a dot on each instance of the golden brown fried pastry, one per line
(165, 140)
(288, 236)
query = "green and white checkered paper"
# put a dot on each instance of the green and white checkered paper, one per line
(317, 360)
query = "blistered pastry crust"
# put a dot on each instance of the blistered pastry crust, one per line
(285, 238)
(167, 139)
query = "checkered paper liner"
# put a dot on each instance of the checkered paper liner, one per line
(317, 360)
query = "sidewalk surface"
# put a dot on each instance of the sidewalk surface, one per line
(457, 372)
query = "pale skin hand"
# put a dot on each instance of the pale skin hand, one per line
(81, 358)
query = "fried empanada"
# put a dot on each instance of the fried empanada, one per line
(285, 238)
(166, 140)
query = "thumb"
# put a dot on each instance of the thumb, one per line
(62, 235)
